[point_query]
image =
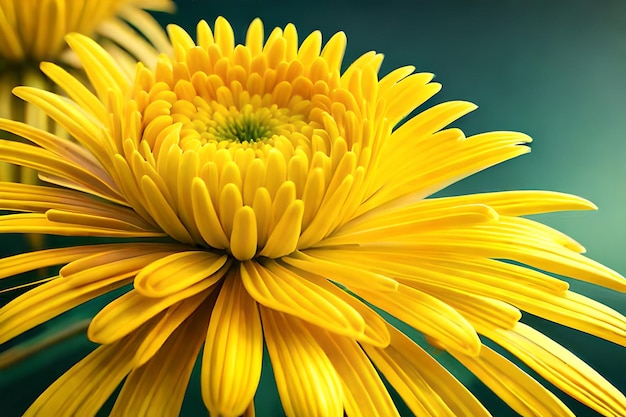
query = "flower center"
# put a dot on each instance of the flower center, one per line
(229, 125)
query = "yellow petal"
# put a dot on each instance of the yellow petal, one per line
(158, 387)
(26, 197)
(365, 394)
(206, 217)
(283, 238)
(83, 389)
(38, 223)
(425, 386)
(47, 162)
(243, 239)
(281, 289)
(30, 261)
(427, 314)
(523, 202)
(178, 271)
(233, 351)
(339, 272)
(521, 392)
(162, 212)
(76, 90)
(562, 368)
(417, 220)
(169, 322)
(307, 382)
(103, 72)
(55, 297)
(131, 310)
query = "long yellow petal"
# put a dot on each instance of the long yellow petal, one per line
(338, 272)
(30, 261)
(38, 223)
(307, 382)
(57, 296)
(158, 387)
(279, 288)
(125, 314)
(364, 392)
(83, 389)
(45, 161)
(521, 392)
(562, 368)
(425, 386)
(233, 351)
(429, 315)
(172, 274)
(169, 322)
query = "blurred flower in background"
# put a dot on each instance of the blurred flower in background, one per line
(278, 200)
(33, 31)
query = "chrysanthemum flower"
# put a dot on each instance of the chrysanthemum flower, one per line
(271, 198)
(33, 31)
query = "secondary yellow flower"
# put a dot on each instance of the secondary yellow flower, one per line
(33, 31)
(280, 200)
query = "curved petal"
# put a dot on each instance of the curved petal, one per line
(429, 315)
(365, 394)
(83, 389)
(233, 351)
(521, 392)
(281, 289)
(158, 387)
(169, 322)
(425, 386)
(178, 271)
(128, 312)
(55, 297)
(307, 382)
(562, 368)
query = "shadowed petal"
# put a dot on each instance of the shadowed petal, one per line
(521, 392)
(83, 389)
(233, 351)
(279, 288)
(425, 386)
(158, 387)
(307, 382)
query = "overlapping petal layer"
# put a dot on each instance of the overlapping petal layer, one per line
(294, 210)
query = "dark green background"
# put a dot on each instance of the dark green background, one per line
(553, 69)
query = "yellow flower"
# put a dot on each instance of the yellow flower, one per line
(278, 200)
(33, 31)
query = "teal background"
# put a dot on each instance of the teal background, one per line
(553, 69)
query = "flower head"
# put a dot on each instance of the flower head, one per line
(294, 203)
(33, 31)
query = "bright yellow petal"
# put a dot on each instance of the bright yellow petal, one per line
(59, 295)
(83, 389)
(38, 223)
(562, 368)
(169, 322)
(338, 272)
(429, 315)
(408, 222)
(365, 394)
(103, 72)
(30, 261)
(158, 387)
(425, 386)
(125, 314)
(174, 273)
(307, 382)
(233, 351)
(279, 288)
(45, 161)
(521, 392)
